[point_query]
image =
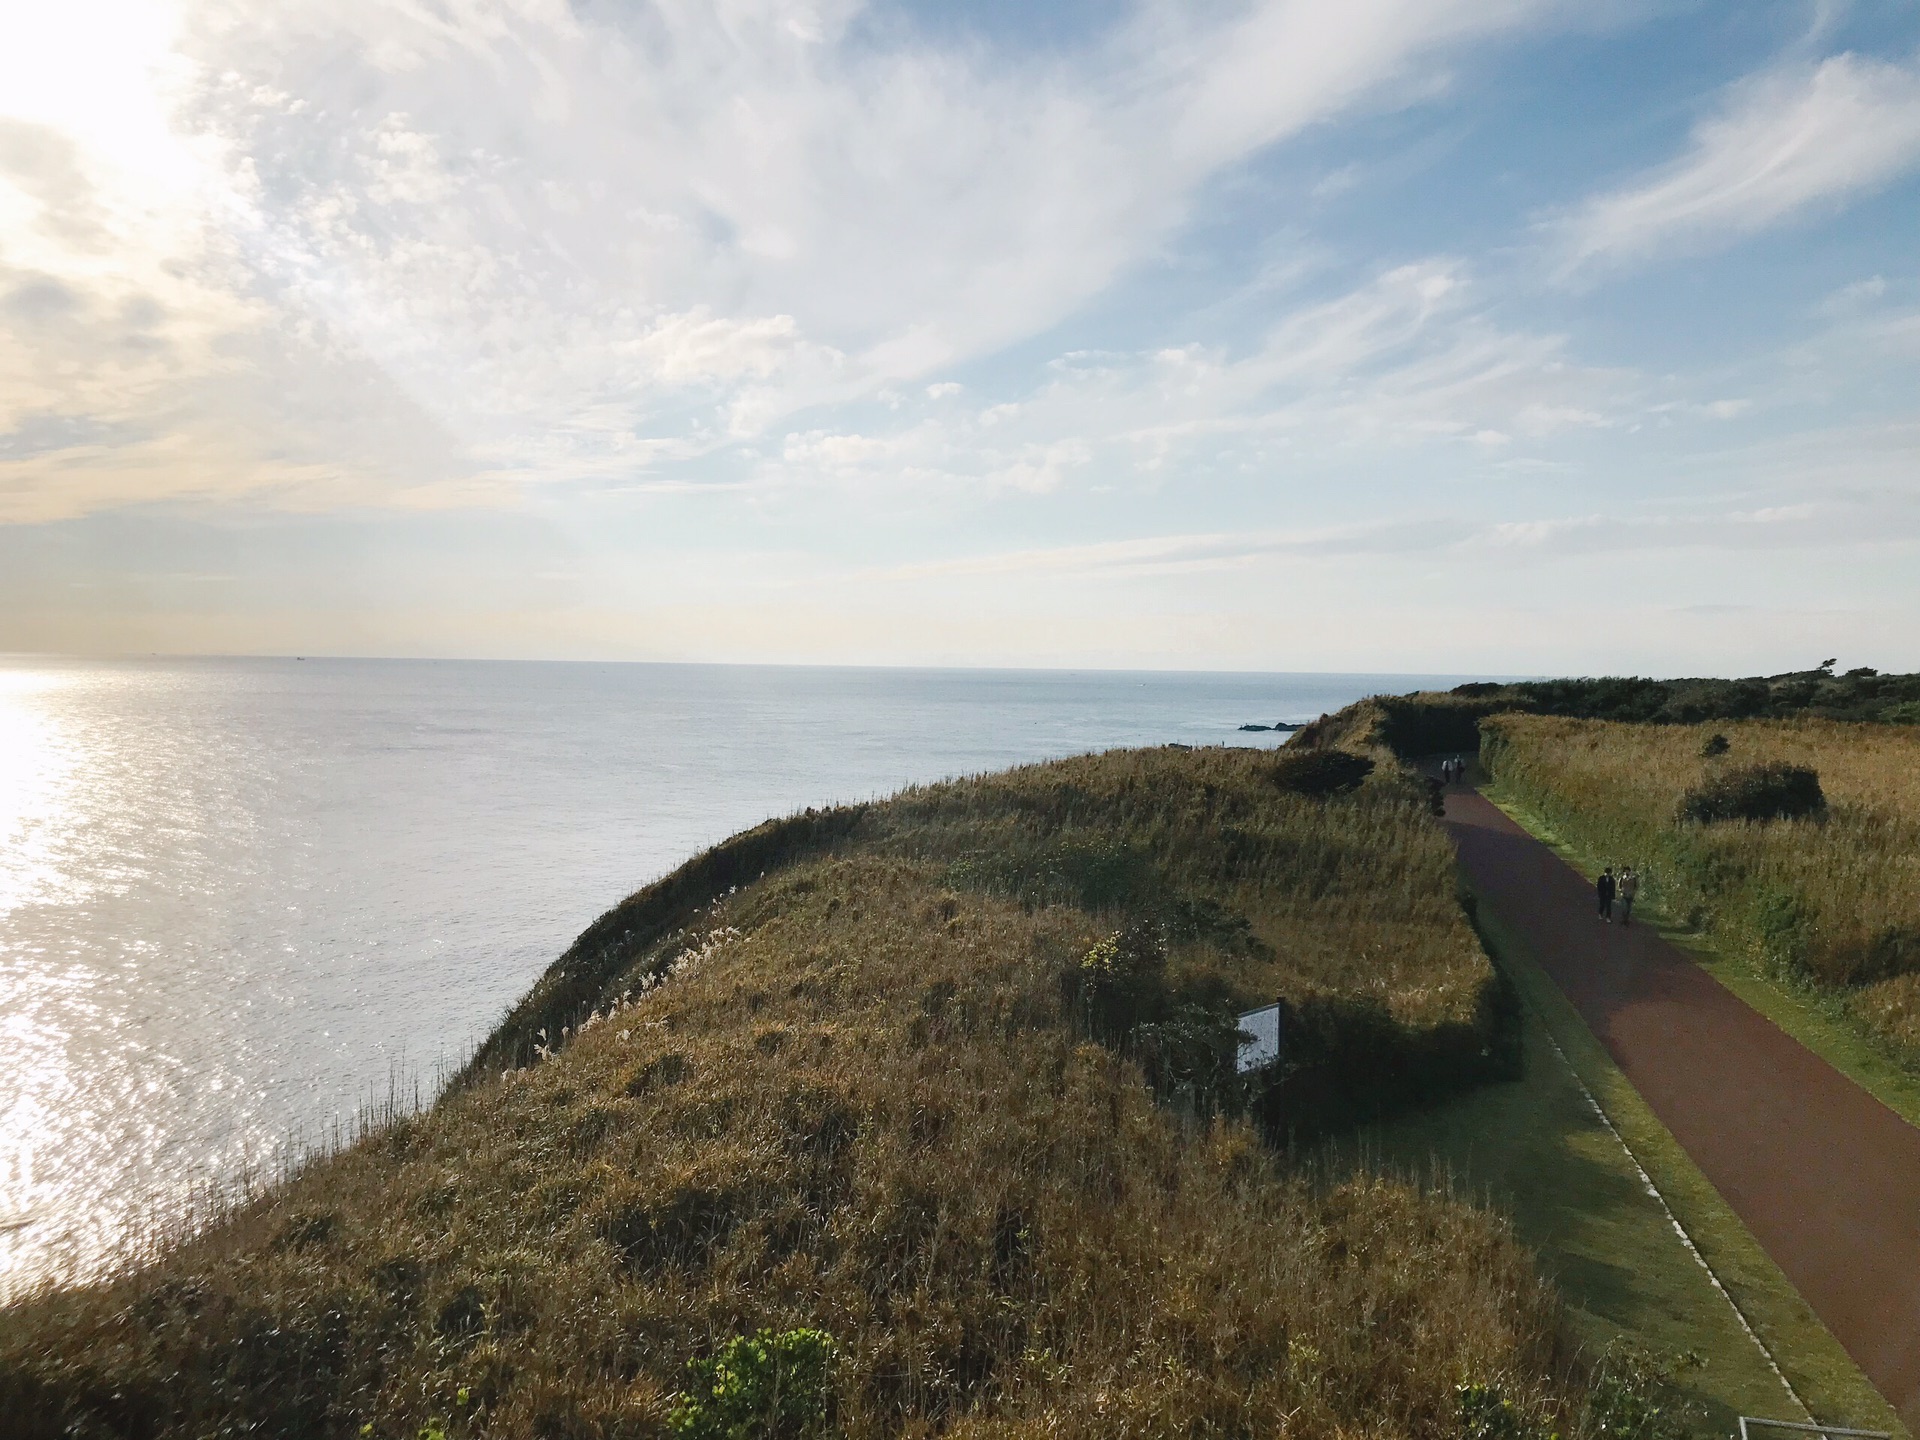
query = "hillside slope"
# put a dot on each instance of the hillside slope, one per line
(946, 1078)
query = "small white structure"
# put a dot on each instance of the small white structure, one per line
(1263, 1048)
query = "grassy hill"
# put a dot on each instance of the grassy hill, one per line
(937, 1094)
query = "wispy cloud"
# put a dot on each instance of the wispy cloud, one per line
(1780, 144)
(1879, 517)
(1409, 361)
(1183, 554)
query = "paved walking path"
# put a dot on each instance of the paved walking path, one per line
(1825, 1177)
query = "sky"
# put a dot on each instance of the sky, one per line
(1505, 336)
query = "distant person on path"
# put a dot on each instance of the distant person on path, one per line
(1629, 887)
(1604, 888)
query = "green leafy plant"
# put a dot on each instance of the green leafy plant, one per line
(1487, 1414)
(1123, 980)
(1782, 921)
(1191, 1053)
(770, 1386)
(1633, 1397)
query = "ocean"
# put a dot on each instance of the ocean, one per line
(242, 899)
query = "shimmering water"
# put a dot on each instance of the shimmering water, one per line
(239, 898)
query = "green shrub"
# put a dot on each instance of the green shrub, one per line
(1715, 744)
(1190, 1056)
(1905, 713)
(1775, 791)
(768, 1387)
(1782, 921)
(1487, 1414)
(1321, 773)
(1633, 1397)
(1893, 951)
(1123, 981)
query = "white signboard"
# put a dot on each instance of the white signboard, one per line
(1263, 1025)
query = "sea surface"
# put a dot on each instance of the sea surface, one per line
(242, 899)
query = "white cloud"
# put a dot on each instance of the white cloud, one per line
(1782, 142)
(564, 239)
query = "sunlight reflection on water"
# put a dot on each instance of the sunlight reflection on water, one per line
(35, 770)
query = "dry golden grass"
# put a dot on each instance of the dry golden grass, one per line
(857, 1102)
(1354, 898)
(1835, 899)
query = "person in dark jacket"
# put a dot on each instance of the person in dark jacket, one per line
(1604, 888)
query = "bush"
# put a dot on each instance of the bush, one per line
(1782, 921)
(1427, 725)
(1776, 791)
(1123, 981)
(1634, 1397)
(1321, 773)
(1894, 951)
(769, 1387)
(1190, 1057)
(1487, 1414)
(1715, 744)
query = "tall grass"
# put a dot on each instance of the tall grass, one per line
(852, 1093)
(1833, 900)
(1297, 895)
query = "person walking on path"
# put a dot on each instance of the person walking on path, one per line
(1629, 887)
(1604, 888)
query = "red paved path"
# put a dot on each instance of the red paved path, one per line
(1826, 1177)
